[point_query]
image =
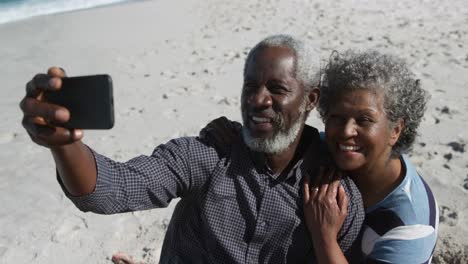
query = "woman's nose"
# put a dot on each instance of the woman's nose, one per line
(350, 129)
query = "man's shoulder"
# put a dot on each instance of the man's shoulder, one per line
(190, 147)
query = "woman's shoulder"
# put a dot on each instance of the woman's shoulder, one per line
(403, 227)
(412, 201)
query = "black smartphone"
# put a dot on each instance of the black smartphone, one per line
(89, 100)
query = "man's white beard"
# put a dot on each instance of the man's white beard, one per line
(281, 139)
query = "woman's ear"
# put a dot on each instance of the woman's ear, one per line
(396, 130)
(313, 96)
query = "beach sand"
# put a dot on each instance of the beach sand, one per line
(177, 65)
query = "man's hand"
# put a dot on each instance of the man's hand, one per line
(74, 161)
(41, 119)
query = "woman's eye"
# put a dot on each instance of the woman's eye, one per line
(364, 120)
(335, 120)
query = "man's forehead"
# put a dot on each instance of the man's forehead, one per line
(271, 53)
(272, 58)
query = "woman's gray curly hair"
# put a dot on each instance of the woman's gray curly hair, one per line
(404, 99)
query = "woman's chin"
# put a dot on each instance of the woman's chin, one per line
(348, 164)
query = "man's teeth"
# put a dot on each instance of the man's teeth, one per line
(260, 119)
(349, 148)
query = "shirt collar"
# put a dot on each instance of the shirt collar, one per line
(309, 150)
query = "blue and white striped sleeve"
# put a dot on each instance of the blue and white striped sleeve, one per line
(402, 244)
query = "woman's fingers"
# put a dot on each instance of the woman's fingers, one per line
(338, 175)
(342, 200)
(219, 132)
(306, 189)
(318, 177)
(333, 189)
(320, 183)
(326, 181)
(328, 176)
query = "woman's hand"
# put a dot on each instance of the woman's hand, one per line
(325, 209)
(220, 133)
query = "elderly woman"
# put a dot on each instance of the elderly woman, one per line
(372, 105)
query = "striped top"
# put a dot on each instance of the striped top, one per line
(402, 228)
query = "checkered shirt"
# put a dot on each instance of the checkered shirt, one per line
(233, 209)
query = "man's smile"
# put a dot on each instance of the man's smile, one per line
(261, 122)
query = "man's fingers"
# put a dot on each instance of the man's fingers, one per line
(50, 112)
(31, 90)
(40, 118)
(50, 136)
(56, 72)
(42, 83)
(30, 123)
(121, 258)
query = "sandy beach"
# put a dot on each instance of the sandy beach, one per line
(176, 65)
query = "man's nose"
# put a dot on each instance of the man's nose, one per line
(261, 98)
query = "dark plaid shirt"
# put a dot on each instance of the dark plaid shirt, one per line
(233, 209)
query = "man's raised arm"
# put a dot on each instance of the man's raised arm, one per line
(75, 162)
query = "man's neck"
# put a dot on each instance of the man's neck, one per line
(279, 162)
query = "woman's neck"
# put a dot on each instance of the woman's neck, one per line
(376, 182)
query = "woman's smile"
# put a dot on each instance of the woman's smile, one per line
(357, 130)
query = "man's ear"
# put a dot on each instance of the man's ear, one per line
(396, 131)
(314, 94)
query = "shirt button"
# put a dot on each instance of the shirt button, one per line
(263, 224)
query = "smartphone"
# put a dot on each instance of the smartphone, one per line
(89, 100)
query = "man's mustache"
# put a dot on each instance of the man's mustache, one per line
(276, 117)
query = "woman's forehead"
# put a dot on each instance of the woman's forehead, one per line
(358, 99)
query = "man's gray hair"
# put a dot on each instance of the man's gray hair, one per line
(404, 98)
(306, 59)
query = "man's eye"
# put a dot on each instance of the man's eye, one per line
(277, 89)
(249, 87)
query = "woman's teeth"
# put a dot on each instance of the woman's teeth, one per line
(348, 148)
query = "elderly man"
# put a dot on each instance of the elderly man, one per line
(245, 207)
